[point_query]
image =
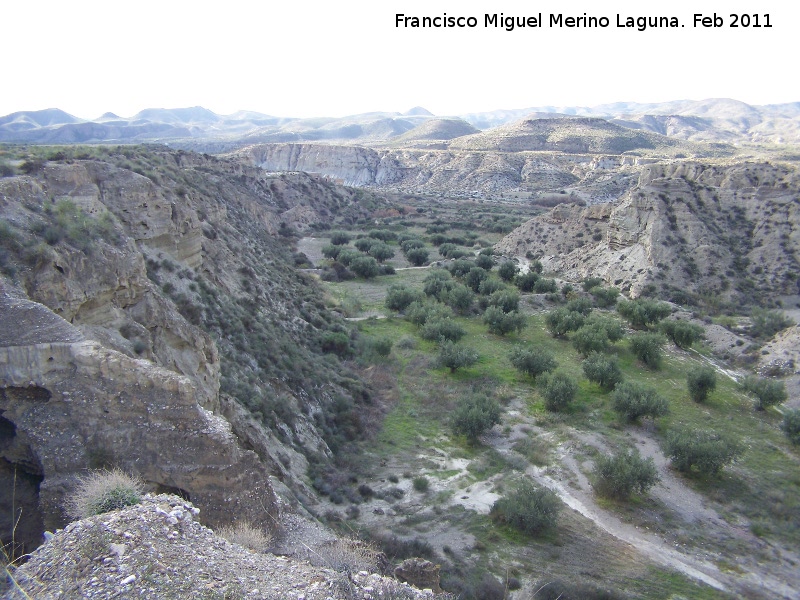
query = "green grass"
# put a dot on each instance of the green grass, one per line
(425, 394)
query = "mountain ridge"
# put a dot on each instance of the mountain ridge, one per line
(720, 120)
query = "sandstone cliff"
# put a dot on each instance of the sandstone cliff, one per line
(68, 404)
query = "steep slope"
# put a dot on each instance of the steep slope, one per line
(186, 268)
(690, 232)
(593, 178)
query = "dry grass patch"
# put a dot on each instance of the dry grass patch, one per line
(103, 491)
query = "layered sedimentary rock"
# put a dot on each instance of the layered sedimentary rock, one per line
(68, 404)
(712, 231)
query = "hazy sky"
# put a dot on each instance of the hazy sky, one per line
(339, 57)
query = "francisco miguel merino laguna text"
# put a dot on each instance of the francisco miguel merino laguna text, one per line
(499, 20)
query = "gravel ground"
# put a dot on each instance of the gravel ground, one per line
(157, 550)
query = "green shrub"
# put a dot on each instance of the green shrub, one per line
(474, 278)
(502, 323)
(791, 426)
(590, 338)
(381, 346)
(437, 283)
(506, 299)
(591, 283)
(602, 370)
(420, 312)
(364, 244)
(647, 348)
(346, 256)
(484, 261)
(448, 250)
(558, 391)
(561, 321)
(526, 281)
(439, 328)
(417, 256)
(421, 484)
(454, 356)
(460, 267)
(339, 238)
(507, 270)
(642, 313)
(766, 323)
(704, 450)
(580, 305)
(365, 266)
(626, 472)
(532, 361)
(604, 297)
(104, 491)
(633, 400)
(459, 298)
(411, 244)
(612, 327)
(490, 285)
(474, 415)
(767, 392)
(335, 342)
(399, 297)
(682, 334)
(701, 381)
(528, 508)
(380, 251)
(545, 286)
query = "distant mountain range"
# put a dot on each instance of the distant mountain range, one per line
(713, 120)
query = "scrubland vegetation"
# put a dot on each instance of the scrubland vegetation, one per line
(482, 351)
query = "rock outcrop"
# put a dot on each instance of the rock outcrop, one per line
(466, 172)
(129, 274)
(68, 404)
(157, 549)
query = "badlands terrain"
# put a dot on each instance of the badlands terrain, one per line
(316, 327)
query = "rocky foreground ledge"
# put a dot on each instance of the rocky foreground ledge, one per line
(158, 550)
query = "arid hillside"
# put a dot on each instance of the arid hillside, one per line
(716, 234)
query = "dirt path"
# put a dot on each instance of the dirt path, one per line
(574, 489)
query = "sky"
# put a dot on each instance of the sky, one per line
(301, 58)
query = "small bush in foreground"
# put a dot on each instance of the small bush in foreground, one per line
(104, 491)
(704, 450)
(528, 508)
(624, 473)
(247, 535)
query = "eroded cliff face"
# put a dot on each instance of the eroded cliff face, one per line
(594, 178)
(687, 231)
(183, 344)
(68, 404)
